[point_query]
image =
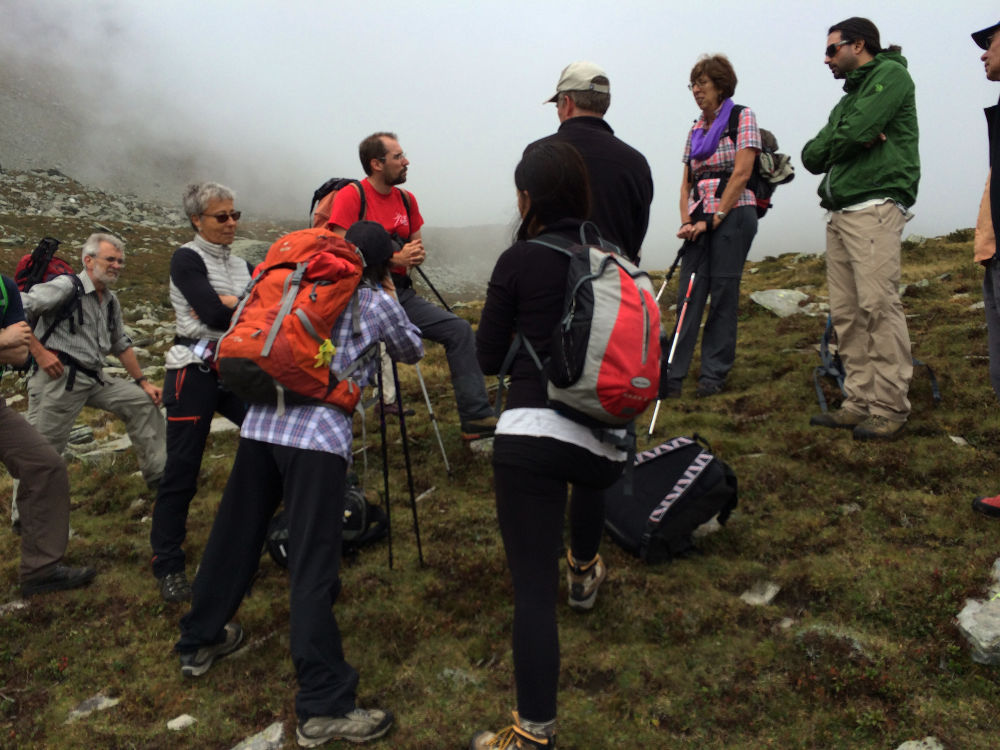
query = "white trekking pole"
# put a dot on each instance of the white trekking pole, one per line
(433, 416)
(673, 348)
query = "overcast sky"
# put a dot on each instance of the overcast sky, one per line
(282, 92)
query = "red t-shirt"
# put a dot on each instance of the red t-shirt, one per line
(388, 210)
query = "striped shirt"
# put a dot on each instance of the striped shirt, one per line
(723, 160)
(325, 428)
(102, 332)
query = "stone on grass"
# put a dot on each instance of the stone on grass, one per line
(14, 606)
(782, 302)
(272, 738)
(761, 593)
(181, 722)
(482, 447)
(99, 702)
(979, 624)
(927, 743)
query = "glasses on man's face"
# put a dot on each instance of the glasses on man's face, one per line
(832, 49)
(112, 260)
(223, 217)
(704, 82)
(395, 157)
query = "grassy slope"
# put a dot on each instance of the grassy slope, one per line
(874, 547)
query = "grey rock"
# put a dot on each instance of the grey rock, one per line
(927, 743)
(979, 624)
(181, 722)
(271, 738)
(99, 702)
(459, 677)
(11, 607)
(761, 593)
(782, 302)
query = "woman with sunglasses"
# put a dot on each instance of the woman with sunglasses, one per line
(718, 224)
(206, 283)
(538, 454)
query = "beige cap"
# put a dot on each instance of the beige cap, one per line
(579, 76)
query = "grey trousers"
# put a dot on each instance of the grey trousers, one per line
(53, 410)
(991, 296)
(718, 267)
(455, 334)
(44, 492)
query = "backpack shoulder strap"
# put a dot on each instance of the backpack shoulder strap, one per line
(3, 294)
(734, 122)
(72, 305)
(364, 201)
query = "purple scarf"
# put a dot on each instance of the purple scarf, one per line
(704, 142)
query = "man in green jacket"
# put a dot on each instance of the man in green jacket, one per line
(868, 153)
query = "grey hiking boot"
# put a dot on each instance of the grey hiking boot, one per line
(840, 418)
(583, 581)
(878, 428)
(58, 578)
(174, 587)
(196, 663)
(527, 735)
(359, 725)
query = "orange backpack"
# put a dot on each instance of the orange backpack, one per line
(278, 350)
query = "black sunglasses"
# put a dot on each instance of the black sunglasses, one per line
(832, 49)
(223, 217)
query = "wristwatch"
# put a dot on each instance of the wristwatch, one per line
(141, 379)
(721, 215)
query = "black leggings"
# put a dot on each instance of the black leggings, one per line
(531, 479)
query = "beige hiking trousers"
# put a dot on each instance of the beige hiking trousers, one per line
(862, 273)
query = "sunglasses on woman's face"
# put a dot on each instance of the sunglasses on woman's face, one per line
(223, 217)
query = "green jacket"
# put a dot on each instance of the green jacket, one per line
(879, 99)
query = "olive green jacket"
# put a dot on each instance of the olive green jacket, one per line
(879, 99)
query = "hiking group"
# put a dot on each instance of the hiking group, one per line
(283, 350)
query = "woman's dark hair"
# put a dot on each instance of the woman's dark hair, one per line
(555, 178)
(856, 29)
(719, 70)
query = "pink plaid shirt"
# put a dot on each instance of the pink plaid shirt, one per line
(723, 160)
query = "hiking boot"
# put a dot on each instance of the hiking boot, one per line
(583, 582)
(391, 410)
(196, 663)
(705, 390)
(671, 390)
(59, 578)
(840, 418)
(520, 734)
(989, 506)
(878, 428)
(476, 429)
(359, 725)
(174, 587)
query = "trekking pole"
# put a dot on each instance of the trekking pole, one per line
(670, 273)
(673, 348)
(385, 462)
(436, 292)
(433, 416)
(406, 458)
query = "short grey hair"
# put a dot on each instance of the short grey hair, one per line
(198, 195)
(93, 244)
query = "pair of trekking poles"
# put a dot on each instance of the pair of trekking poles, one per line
(665, 372)
(403, 437)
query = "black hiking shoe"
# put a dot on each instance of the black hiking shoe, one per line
(174, 587)
(196, 663)
(705, 390)
(59, 578)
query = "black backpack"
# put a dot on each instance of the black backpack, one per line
(669, 491)
(770, 168)
(364, 524)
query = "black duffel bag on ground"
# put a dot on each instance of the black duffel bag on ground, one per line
(669, 492)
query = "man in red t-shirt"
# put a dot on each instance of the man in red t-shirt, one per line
(397, 211)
